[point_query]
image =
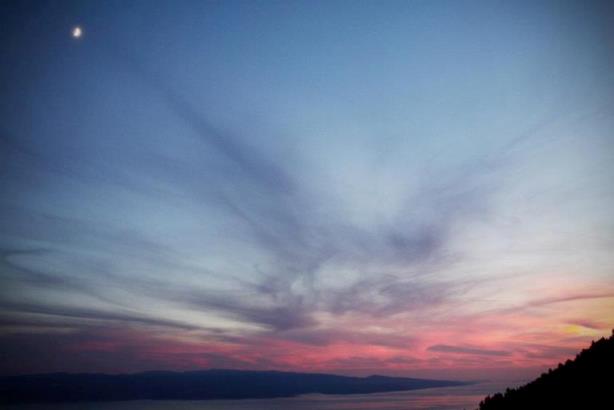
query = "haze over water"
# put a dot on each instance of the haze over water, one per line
(446, 398)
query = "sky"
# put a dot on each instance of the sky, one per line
(417, 188)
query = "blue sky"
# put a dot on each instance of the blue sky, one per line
(400, 187)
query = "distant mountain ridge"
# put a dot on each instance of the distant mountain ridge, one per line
(196, 385)
(587, 382)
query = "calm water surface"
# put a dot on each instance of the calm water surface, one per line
(445, 398)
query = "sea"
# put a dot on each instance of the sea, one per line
(441, 398)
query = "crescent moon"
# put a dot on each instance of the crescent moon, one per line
(77, 32)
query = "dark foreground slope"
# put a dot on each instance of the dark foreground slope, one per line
(587, 382)
(199, 385)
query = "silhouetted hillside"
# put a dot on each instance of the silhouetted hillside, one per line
(199, 385)
(587, 382)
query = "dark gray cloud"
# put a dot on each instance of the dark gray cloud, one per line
(468, 350)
